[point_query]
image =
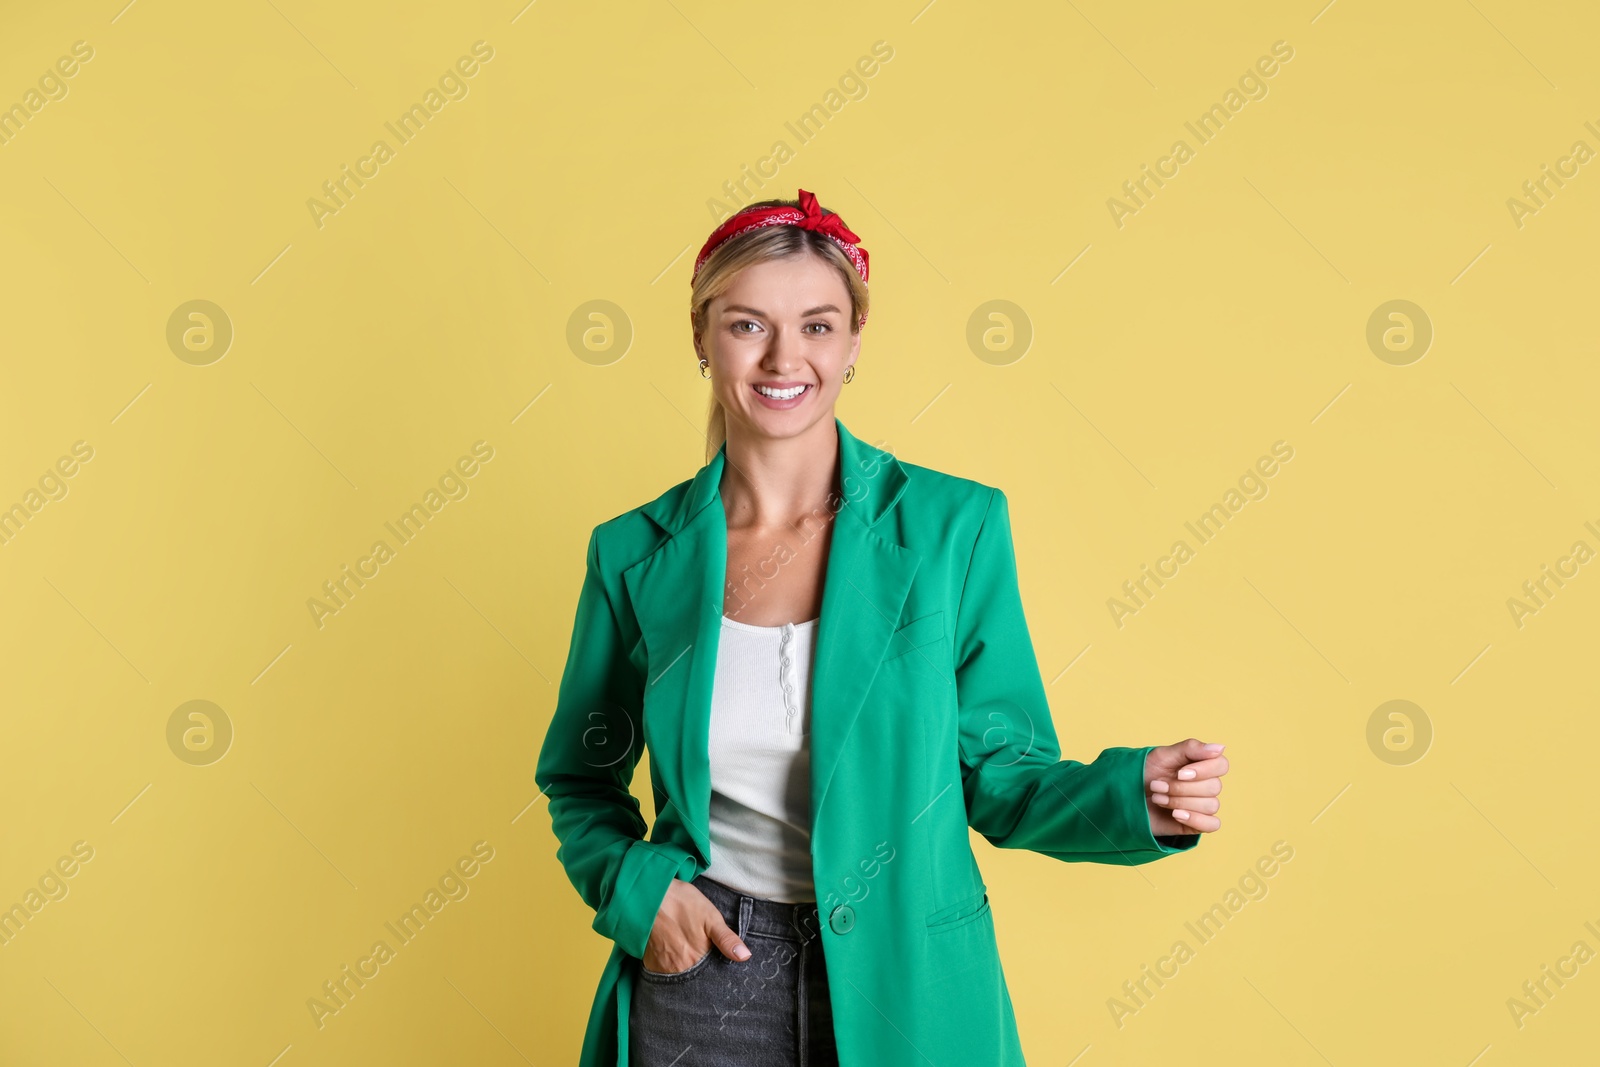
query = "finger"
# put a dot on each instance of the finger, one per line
(726, 941)
(1196, 820)
(1200, 786)
(1203, 787)
(1208, 805)
(1206, 768)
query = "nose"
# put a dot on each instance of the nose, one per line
(783, 353)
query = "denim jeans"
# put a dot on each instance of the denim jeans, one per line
(771, 1009)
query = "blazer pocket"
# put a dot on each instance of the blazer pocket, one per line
(960, 913)
(917, 633)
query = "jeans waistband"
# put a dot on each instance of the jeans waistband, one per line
(746, 914)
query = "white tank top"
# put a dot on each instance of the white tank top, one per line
(760, 750)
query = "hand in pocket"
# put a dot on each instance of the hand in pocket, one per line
(687, 928)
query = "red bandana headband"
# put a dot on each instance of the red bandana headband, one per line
(808, 216)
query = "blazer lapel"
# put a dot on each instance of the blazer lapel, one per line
(677, 600)
(677, 594)
(863, 596)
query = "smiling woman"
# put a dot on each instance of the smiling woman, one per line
(808, 893)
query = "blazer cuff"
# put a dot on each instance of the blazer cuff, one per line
(1165, 844)
(647, 869)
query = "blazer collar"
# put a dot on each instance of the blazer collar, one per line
(677, 596)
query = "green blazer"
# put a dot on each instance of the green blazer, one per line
(928, 717)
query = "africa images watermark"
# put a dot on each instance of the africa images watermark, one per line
(1251, 486)
(52, 885)
(52, 486)
(1205, 128)
(52, 86)
(852, 85)
(452, 485)
(753, 979)
(1251, 886)
(452, 886)
(748, 584)
(1537, 993)
(1537, 192)
(1539, 591)
(452, 85)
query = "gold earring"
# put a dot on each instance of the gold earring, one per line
(705, 369)
(849, 373)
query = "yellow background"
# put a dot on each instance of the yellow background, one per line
(432, 311)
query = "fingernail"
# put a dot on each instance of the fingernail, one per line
(1214, 748)
(1186, 773)
(1158, 786)
(1159, 798)
(1181, 814)
(742, 953)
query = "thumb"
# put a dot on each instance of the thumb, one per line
(725, 939)
(1195, 750)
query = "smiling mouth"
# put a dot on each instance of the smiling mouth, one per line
(781, 394)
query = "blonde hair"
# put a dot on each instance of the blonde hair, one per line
(757, 246)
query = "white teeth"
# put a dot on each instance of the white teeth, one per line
(781, 394)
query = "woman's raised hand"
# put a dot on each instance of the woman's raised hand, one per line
(687, 926)
(1182, 783)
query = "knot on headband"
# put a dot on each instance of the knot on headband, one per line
(808, 216)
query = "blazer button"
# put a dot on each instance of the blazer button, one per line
(843, 919)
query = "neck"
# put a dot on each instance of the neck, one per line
(772, 482)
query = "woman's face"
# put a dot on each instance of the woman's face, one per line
(782, 325)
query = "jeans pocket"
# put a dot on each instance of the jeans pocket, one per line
(695, 968)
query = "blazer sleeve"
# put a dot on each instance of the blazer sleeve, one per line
(1020, 793)
(585, 766)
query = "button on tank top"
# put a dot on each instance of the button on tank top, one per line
(760, 750)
